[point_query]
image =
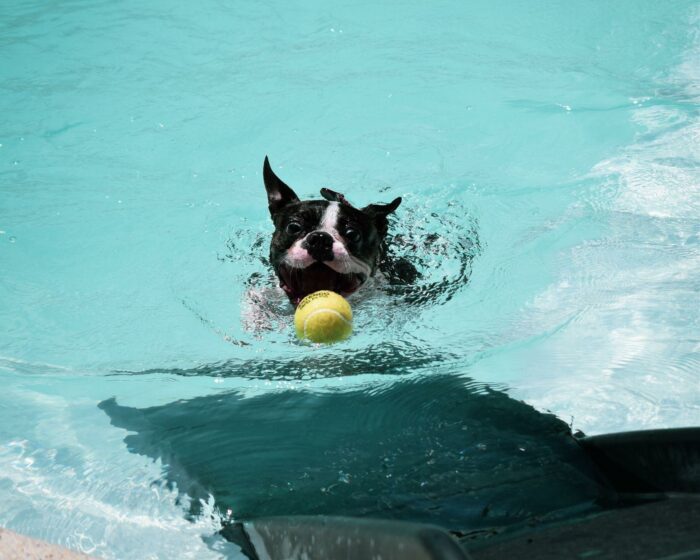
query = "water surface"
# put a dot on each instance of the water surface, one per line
(548, 161)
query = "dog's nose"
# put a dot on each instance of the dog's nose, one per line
(319, 244)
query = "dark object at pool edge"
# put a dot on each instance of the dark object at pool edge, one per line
(312, 537)
(649, 461)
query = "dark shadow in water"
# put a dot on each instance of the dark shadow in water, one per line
(394, 359)
(440, 450)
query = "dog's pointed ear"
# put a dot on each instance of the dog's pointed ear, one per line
(333, 196)
(379, 213)
(278, 193)
(382, 210)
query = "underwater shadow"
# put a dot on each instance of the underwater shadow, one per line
(440, 449)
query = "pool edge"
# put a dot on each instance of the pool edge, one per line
(14, 546)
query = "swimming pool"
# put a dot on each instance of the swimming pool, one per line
(549, 153)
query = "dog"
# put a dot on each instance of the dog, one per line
(324, 244)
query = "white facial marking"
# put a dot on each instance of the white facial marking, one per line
(343, 261)
(329, 222)
(297, 256)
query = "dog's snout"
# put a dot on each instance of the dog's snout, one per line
(319, 239)
(319, 244)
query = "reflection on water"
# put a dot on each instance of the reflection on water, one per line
(440, 449)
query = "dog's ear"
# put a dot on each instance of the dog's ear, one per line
(379, 213)
(278, 193)
(382, 210)
(333, 196)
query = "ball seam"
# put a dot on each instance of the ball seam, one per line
(340, 315)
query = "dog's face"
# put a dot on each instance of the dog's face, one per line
(323, 244)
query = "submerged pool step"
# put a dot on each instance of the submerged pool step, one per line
(659, 530)
(343, 538)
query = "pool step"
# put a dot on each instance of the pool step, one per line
(326, 538)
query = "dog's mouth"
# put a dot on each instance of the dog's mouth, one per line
(300, 282)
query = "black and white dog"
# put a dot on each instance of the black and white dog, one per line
(323, 244)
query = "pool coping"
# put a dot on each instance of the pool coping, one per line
(14, 546)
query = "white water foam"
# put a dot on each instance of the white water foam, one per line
(628, 355)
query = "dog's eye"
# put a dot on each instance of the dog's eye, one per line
(352, 235)
(294, 228)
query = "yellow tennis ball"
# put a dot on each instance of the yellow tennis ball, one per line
(323, 317)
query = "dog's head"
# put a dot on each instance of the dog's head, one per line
(323, 244)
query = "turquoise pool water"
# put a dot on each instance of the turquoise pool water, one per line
(550, 155)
